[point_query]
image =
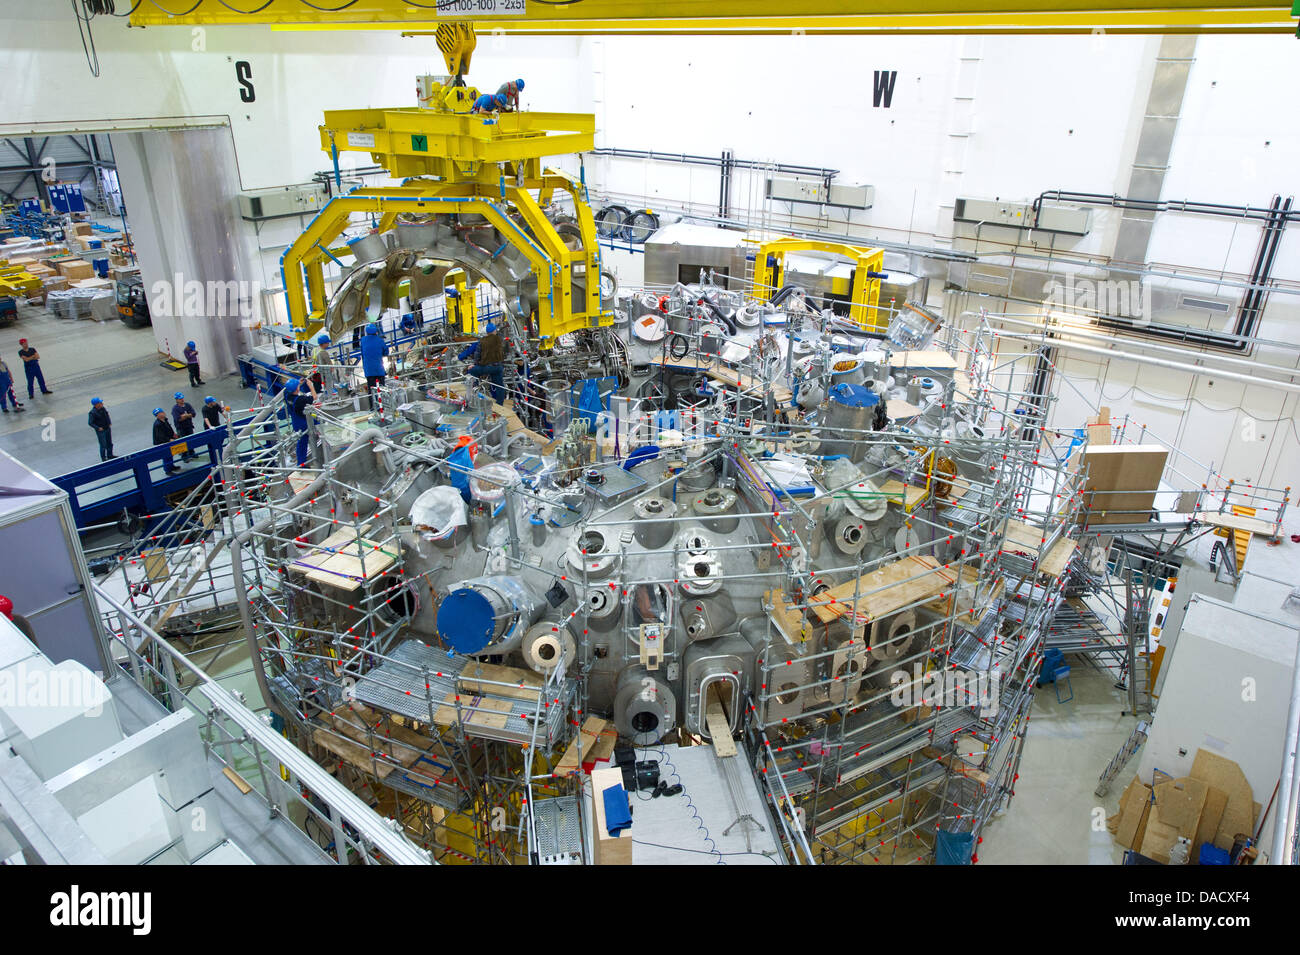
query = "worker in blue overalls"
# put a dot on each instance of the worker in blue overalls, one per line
(183, 414)
(300, 395)
(488, 355)
(373, 351)
(491, 103)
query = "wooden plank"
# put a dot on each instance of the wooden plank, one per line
(905, 581)
(719, 726)
(588, 735)
(352, 753)
(1028, 538)
(604, 747)
(789, 622)
(899, 409)
(240, 783)
(299, 481)
(905, 494)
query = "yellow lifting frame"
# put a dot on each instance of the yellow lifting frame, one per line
(864, 297)
(461, 163)
(456, 146)
(551, 261)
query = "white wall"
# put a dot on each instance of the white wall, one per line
(1228, 690)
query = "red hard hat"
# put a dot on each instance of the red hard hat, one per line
(6, 606)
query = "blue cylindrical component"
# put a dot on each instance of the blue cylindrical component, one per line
(487, 614)
(466, 620)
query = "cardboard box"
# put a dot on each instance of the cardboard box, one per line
(75, 269)
(609, 850)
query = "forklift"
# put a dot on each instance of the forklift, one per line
(132, 304)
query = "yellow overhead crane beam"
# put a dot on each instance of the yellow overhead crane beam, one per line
(607, 17)
(868, 264)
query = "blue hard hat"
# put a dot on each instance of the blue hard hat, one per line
(491, 327)
(157, 411)
(322, 339)
(519, 84)
(372, 329)
(96, 401)
(209, 400)
(291, 384)
(189, 344)
(179, 396)
(501, 101)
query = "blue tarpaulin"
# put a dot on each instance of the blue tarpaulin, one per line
(953, 848)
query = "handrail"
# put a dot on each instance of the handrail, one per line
(1286, 834)
(373, 829)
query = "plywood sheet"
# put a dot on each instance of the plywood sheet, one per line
(1223, 774)
(1133, 808)
(1211, 815)
(1122, 482)
(1179, 804)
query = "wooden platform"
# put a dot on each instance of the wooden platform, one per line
(1235, 522)
(1028, 539)
(484, 703)
(898, 584)
(338, 560)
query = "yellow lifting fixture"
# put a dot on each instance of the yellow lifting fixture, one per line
(470, 170)
(868, 269)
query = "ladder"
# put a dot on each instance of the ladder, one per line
(1137, 624)
(1120, 759)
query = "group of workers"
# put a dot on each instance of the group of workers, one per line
(181, 425)
(31, 359)
(504, 100)
(487, 355)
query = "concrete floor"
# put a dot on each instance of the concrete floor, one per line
(83, 360)
(1054, 818)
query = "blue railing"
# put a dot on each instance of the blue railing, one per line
(137, 482)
